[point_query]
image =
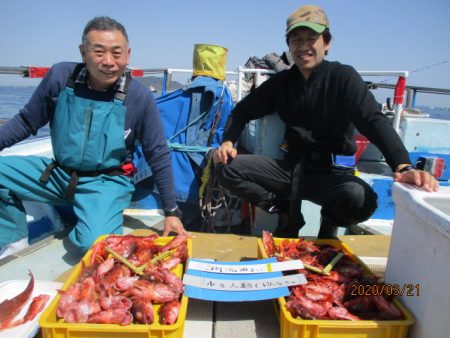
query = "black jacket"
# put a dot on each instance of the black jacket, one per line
(320, 114)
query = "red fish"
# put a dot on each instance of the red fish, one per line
(168, 312)
(156, 273)
(171, 263)
(154, 291)
(337, 312)
(80, 312)
(116, 316)
(306, 308)
(142, 311)
(115, 302)
(389, 309)
(175, 242)
(37, 305)
(269, 243)
(9, 308)
(72, 294)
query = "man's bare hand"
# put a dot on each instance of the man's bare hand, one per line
(225, 153)
(173, 224)
(419, 178)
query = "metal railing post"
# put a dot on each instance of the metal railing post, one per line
(239, 84)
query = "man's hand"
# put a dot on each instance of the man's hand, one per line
(417, 177)
(173, 224)
(225, 153)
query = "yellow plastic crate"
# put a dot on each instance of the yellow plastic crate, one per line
(52, 327)
(307, 328)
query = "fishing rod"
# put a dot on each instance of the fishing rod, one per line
(418, 70)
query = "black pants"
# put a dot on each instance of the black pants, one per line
(345, 198)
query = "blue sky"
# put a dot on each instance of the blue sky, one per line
(369, 35)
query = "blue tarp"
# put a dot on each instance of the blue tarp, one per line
(188, 116)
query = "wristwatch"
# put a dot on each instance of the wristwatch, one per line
(407, 168)
(174, 212)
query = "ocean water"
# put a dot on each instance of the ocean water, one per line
(12, 99)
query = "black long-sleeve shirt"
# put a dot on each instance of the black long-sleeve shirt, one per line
(321, 113)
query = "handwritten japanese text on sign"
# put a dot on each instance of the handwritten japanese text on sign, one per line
(244, 285)
(245, 269)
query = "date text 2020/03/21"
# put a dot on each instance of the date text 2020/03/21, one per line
(385, 289)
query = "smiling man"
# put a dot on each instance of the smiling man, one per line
(106, 54)
(97, 114)
(321, 103)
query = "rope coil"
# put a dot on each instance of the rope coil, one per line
(212, 197)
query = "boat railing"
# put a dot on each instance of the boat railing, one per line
(260, 75)
(399, 91)
(239, 74)
(411, 92)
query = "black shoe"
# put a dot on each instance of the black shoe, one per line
(283, 229)
(327, 230)
(275, 206)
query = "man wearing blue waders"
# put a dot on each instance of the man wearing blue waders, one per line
(320, 103)
(97, 113)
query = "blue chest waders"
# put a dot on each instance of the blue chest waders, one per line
(89, 149)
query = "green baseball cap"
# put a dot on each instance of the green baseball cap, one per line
(310, 16)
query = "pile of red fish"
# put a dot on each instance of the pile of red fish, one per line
(330, 296)
(110, 292)
(10, 308)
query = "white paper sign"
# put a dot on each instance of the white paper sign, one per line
(246, 268)
(244, 285)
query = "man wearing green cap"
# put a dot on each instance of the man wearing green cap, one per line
(321, 103)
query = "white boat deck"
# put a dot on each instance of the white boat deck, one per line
(49, 258)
